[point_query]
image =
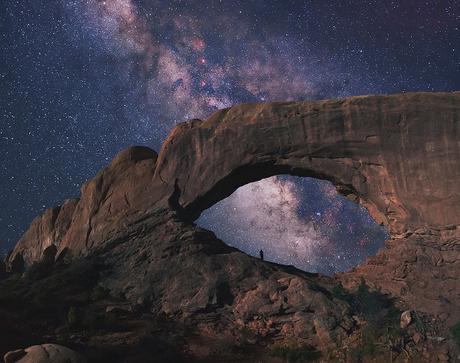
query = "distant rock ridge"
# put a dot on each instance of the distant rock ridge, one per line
(397, 155)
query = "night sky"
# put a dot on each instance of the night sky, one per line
(81, 80)
(296, 221)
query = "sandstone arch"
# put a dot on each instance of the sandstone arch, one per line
(397, 155)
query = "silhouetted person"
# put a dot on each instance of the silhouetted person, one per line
(261, 253)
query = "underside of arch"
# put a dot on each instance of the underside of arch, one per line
(246, 174)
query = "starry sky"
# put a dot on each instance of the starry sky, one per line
(296, 221)
(82, 79)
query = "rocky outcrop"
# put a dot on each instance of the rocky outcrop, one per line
(398, 155)
(46, 230)
(422, 269)
(114, 193)
(181, 271)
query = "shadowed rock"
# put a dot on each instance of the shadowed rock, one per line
(115, 192)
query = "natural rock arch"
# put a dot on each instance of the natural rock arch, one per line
(397, 155)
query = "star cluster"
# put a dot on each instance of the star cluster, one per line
(82, 79)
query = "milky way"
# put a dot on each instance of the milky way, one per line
(188, 66)
(81, 80)
(296, 221)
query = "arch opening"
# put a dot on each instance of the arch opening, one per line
(300, 221)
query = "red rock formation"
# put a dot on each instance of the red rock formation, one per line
(46, 230)
(397, 155)
(115, 192)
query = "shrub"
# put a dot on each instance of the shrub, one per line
(455, 332)
(339, 292)
(99, 292)
(3, 273)
(295, 354)
(37, 271)
(382, 323)
(94, 321)
(89, 319)
(73, 318)
(10, 289)
(66, 284)
(371, 303)
(369, 335)
(226, 345)
(247, 336)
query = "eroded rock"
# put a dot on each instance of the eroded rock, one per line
(397, 155)
(14, 355)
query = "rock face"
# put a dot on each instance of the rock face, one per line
(182, 271)
(398, 155)
(422, 269)
(115, 192)
(45, 230)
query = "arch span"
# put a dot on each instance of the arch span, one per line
(299, 221)
(397, 155)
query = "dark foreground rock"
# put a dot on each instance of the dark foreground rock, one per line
(45, 353)
(182, 289)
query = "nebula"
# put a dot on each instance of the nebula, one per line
(191, 73)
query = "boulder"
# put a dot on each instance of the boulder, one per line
(406, 319)
(45, 353)
(14, 355)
